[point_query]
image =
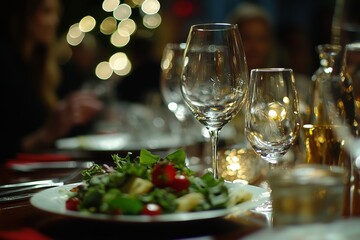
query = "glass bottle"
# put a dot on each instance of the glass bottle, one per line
(328, 54)
(350, 97)
(321, 143)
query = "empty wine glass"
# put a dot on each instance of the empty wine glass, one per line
(171, 67)
(272, 118)
(272, 121)
(214, 78)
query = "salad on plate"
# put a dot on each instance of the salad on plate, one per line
(150, 185)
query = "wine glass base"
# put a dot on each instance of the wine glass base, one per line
(266, 207)
(266, 210)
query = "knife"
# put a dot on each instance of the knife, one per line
(25, 189)
(24, 184)
(27, 167)
(15, 197)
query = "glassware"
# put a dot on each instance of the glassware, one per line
(307, 194)
(171, 67)
(342, 100)
(214, 78)
(272, 118)
(272, 121)
(320, 143)
(327, 54)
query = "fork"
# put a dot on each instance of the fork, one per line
(7, 196)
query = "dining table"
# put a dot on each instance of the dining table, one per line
(19, 219)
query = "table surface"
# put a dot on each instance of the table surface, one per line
(21, 214)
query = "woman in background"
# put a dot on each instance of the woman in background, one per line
(32, 116)
(259, 43)
(262, 49)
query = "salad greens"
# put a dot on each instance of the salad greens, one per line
(132, 184)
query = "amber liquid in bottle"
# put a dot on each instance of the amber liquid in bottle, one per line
(321, 143)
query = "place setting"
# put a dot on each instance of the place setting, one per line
(180, 120)
(225, 88)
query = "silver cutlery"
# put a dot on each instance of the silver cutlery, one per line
(24, 190)
(24, 184)
(28, 188)
(15, 197)
(50, 165)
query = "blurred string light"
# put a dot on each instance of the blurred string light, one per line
(120, 27)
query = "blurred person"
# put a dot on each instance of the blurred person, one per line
(299, 57)
(256, 32)
(32, 116)
(77, 64)
(262, 48)
(79, 70)
(142, 85)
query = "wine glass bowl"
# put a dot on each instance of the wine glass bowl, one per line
(272, 121)
(171, 67)
(214, 78)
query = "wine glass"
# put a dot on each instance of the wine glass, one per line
(214, 79)
(272, 120)
(171, 67)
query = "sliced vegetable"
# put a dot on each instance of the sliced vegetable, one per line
(151, 209)
(163, 174)
(180, 183)
(72, 204)
(126, 204)
(189, 202)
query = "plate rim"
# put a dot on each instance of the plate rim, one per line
(55, 197)
(85, 142)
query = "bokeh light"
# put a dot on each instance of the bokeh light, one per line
(119, 27)
(87, 24)
(103, 70)
(108, 25)
(74, 35)
(118, 61)
(152, 21)
(127, 27)
(125, 71)
(122, 12)
(119, 40)
(110, 5)
(150, 6)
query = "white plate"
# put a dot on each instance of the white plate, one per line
(53, 200)
(116, 142)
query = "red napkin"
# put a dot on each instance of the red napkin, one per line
(23, 234)
(22, 158)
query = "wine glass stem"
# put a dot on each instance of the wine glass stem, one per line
(184, 135)
(272, 166)
(214, 139)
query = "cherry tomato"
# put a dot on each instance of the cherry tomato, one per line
(72, 204)
(181, 182)
(117, 211)
(163, 174)
(151, 209)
